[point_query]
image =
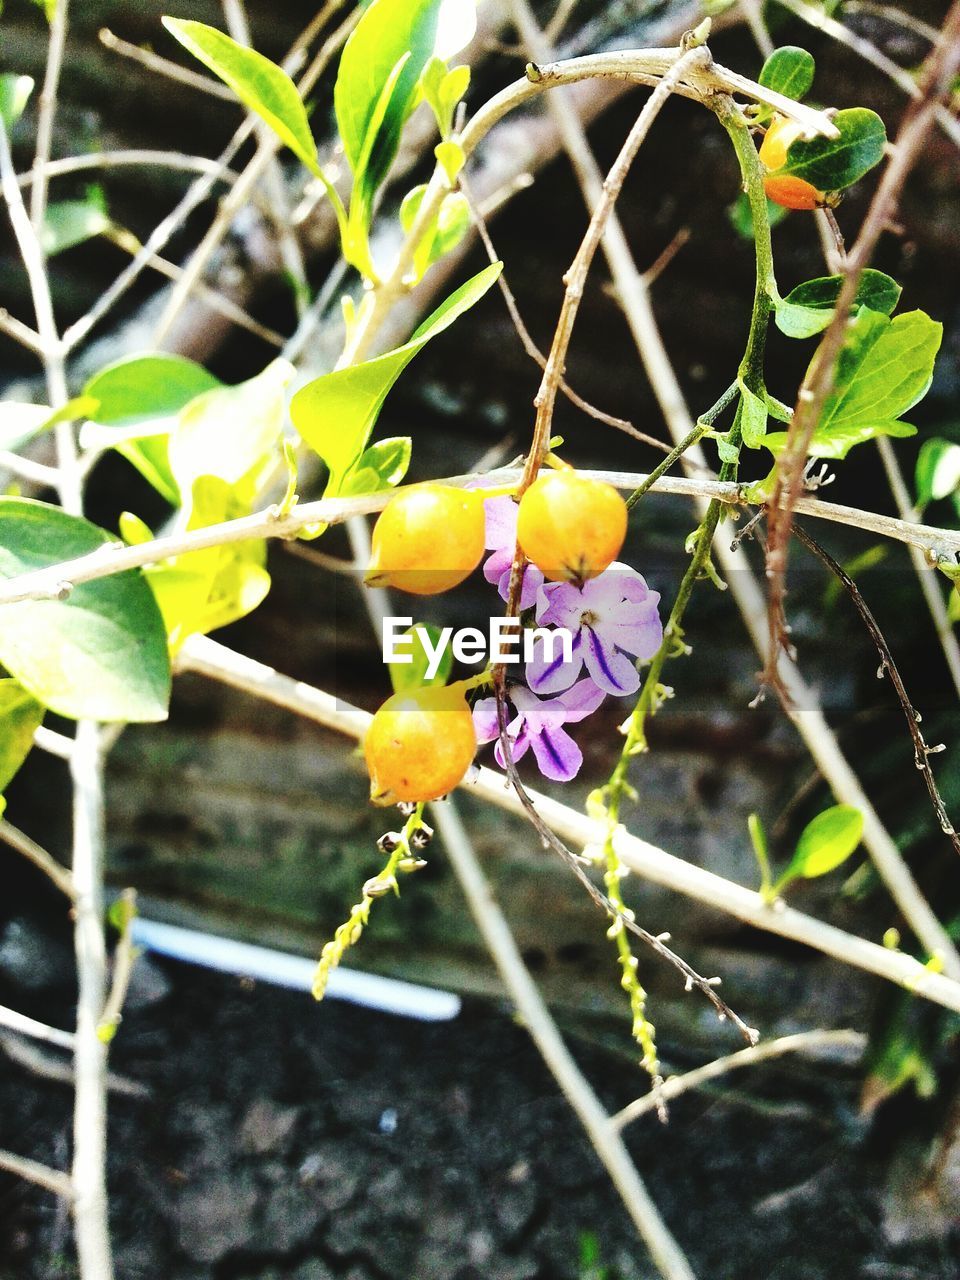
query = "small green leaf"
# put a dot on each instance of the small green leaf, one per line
(336, 412)
(413, 674)
(789, 70)
(228, 431)
(138, 399)
(381, 466)
(15, 93)
(753, 417)
(741, 215)
(884, 368)
(808, 308)
(451, 157)
(69, 223)
(259, 84)
(831, 164)
(938, 471)
(388, 30)
(20, 716)
(827, 841)
(101, 653)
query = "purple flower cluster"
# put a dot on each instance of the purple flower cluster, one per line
(613, 620)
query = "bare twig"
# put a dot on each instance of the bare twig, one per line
(164, 66)
(135, 157)
(536, 1018)
(58, 580)
(25, 1026)
(20, 332)
(802, 1042)
(50, 1179)
(929, 579)
(936, 79)
(60, 876)
(865, 49)
(207, 657)
(531, 348)
(123, 960)
(47, 112)
(888, 666)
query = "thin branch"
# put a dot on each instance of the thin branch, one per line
(50, 1179)
(55, 744)
(267, 148)
(20, 332)
(888, 666)
(209, 658)
(24, 1026)
(164, 66)
(16, 839)
(936, 79)
(37, 473)
(536, 1018)
(48, 1067)
(802, 1042)
(869, 52)
(136, 156)
(46, 113)
(57, 581)
(123, 960)
(929, 579)
(531, 348)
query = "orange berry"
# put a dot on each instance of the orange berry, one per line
(571, 528)
(786, 189)
(793, 193)
(427, 539)
(419, 745)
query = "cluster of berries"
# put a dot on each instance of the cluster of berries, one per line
(570, 528)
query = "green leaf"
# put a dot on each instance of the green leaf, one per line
(840, 440)
(808, 308)
(884, 368)
(830, 164)
(20, 423)
(789, 70)
(381, 466)
(938, 471)
(827, 841)
(452, 157)
(413, 675)
(336, 412)
(753, 417)
(442, 90)
(68, 223)
(138, 399)
(101, 653)
(443, 234)
(20, 717)
(259, 84)
(741, 215)
(388, 30)
(229, 431)
(15, 93)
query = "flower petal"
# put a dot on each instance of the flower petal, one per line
(581, 700)
(518, 747)
(555, 675)
(500, 516)
(558, 756)
(613, 672)
(485, 720)
(565, 605)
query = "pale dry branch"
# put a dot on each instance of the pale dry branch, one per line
(33, 852)
(41, 1174)
(207, 657)
(24, 1026)
(802, 1042)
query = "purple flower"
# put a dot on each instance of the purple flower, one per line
(610, 616)
(501, 539)
(539, 725)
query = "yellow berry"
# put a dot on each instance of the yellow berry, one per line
(570, 527)
(786, 189)
(427, 539)
(419, 745)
